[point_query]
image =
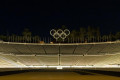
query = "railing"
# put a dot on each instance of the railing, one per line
(37, 39)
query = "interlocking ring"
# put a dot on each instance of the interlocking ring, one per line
(63, 36)
(56, 35)
(59, 33)
(67, 32)
(52, 32)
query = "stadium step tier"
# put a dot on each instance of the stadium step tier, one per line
(73, 54)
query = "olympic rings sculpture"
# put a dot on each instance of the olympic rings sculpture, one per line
(59, 33)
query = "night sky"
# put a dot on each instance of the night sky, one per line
(41, 17)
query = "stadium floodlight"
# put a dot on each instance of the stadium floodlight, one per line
(59, 33)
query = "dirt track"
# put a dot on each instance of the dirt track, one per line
(58, 76)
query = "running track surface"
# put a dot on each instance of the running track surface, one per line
(59, 75)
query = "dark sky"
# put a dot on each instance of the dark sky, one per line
(40, 17)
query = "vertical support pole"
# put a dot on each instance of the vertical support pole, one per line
(59, 56)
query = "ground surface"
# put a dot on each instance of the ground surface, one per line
(58, 75)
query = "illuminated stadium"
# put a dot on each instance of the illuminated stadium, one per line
(60, 40)
(60, 55)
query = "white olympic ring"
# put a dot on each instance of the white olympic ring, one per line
(59, 33)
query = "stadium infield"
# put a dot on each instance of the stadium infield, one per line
(59, 75)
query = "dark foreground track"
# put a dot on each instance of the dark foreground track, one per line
(59, 75)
